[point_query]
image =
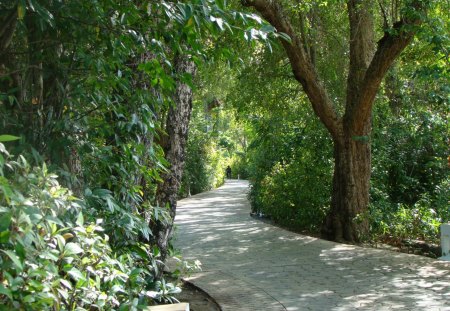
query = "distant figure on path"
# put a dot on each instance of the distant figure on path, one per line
(228, 170)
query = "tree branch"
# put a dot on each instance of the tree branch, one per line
(389, 48)
(303, 69)
(361, 49)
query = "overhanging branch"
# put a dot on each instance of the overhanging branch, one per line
(302, 67)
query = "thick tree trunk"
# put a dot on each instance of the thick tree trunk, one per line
(175, 148)
(346, 220)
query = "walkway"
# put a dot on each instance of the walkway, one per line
(250, 265)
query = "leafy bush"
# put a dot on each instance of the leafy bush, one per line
(394, 223)
(291, 171)
(291, 197)
(403, 223)
(410, 183)
(54, 256)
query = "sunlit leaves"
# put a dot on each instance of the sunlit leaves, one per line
(4, 138)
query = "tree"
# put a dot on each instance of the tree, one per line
(174, 146)
(198, 22)
(351, 129)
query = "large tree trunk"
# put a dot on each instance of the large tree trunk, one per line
(346, 219)
(175, 148)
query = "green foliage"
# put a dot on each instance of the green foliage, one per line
(55, 255)
(394, 224)
(290, 172)
(414, 159)
(205, 156)
(410, 175)
(196, 174)
(239, 164)
(287, 196)
(288, 154)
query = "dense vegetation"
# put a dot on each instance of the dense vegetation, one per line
(97, 99)
(290, 153)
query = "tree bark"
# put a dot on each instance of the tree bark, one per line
(351, 133)
(346, 219)
(175, 148)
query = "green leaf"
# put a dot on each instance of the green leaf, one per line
(118, 289)
(65, 283)
(16, 261)
(63, 293)
(29, 299)
(284, 36)
(6, 188)
(4, 138)
(39, 273)
(20, 11)
(102, 193)
(4, 236)
(76, 274)
(80, 220)
(268, 28)
(61, 241)
(3, 150)
(135, 272)
(49, 255)
(20, 250)
(5, 221)
(5, 291)
(72, 249)
(140, 251)
(37, 285)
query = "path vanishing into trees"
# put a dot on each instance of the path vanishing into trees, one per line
(251, 265)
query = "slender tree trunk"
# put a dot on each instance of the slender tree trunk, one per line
(175, 148)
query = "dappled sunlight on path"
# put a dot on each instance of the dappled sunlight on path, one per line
(251, 265)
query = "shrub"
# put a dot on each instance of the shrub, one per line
(294, 197)
(52, 256)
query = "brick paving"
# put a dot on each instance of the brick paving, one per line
(250, 265)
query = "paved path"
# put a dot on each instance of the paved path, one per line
(251, 265)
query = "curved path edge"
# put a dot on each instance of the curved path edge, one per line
(231, 293)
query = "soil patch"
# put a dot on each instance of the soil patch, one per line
(198, 299)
